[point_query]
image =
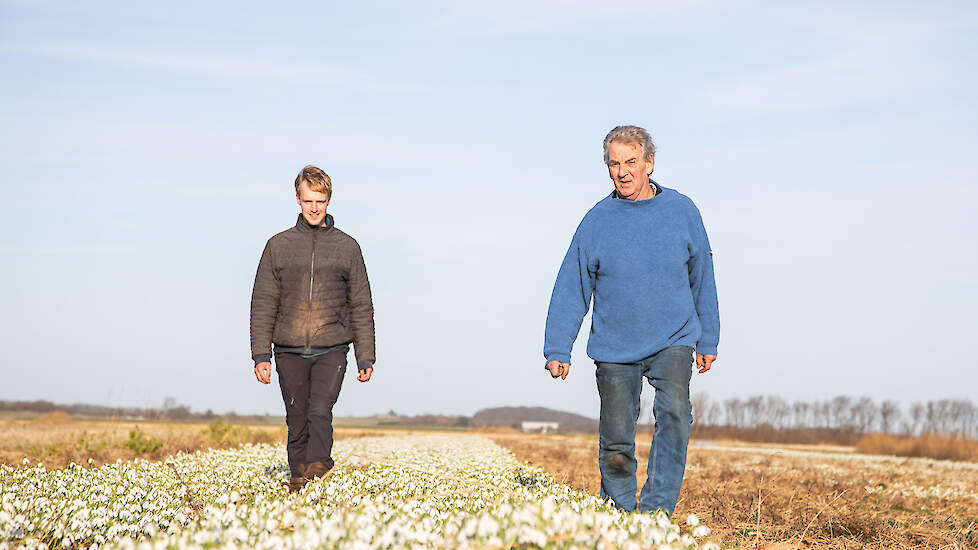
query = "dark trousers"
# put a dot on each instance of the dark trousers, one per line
(310, 388)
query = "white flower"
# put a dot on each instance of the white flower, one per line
(416, 491)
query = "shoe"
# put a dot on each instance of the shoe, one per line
(297, 483)
(315, 470)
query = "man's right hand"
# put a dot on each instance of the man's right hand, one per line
(558, 369)
(263, 372)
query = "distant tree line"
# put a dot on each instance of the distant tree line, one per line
(842, 419)
(171, 410)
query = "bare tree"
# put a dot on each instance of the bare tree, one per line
(937, 417)
(735, 412)
(890, 414)
(916, 417)
(839, 419)
(969, 420)
(714, 414)
(864, 414)
(962, 419)
(701, 404)
(802, 412)
(841, 412)
(822, 414)
(778, 411)
(755, 411)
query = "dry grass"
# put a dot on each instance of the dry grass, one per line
(933, 446)
(762, 497)
(57, 441)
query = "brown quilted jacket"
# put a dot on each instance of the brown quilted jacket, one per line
(311, 291)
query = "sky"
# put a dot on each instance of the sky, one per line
(148, 151)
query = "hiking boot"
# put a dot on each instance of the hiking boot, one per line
(297, 483)
(315, 470)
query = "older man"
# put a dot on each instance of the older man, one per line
(311, 300)
(643, 254)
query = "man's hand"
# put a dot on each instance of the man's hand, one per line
(263, 372)
(704, 362)
(365, 374)
(558, 369)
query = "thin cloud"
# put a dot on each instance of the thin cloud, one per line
(523, 17)
(194, 63)
(860, 63)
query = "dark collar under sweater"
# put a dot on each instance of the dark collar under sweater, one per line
(614, 194)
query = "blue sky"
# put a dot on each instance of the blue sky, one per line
(149, 151)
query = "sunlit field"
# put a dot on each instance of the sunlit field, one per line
(805, 496)
(197, 485)
(401, 491)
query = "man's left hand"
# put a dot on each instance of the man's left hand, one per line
(704, 362)
(365, 374)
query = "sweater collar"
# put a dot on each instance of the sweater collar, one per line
(656, 192)
(302, 225)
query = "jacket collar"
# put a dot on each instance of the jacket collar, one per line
(302, 225)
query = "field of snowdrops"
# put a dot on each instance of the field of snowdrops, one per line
(410, 491)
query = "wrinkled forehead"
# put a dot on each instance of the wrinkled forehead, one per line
(624, 149)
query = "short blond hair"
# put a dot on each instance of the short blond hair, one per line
(315, 179)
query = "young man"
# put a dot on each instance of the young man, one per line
(643, 254)
(311, 300)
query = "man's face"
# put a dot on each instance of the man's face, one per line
(313, 205)
(630, 170)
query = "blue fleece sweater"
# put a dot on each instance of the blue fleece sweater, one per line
(649, 267)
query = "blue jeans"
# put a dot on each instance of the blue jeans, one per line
(620, 389)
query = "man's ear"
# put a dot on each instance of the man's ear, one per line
(651, 164)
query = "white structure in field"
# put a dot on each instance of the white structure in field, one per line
(540, 427)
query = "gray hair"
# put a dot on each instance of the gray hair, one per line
(630, 134)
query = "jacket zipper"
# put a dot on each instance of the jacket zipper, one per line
(312, 278)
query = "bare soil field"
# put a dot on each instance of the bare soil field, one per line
(765, 496)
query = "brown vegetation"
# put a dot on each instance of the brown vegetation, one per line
(763, 497)
(53, 418)
(932, 446)
(58, 441)
(58, 444)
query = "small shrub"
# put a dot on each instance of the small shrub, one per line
(224, 434)
(218, 431)
(86, 444)
(140, 442)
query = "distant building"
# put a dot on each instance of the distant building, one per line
(539, 427)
